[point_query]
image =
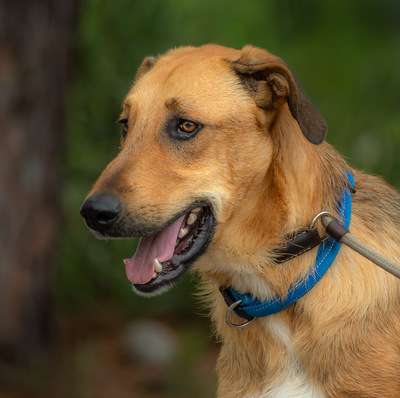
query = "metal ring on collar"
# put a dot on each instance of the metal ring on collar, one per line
(320, 215)
(228, 316)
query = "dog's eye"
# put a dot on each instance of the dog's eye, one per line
(182, 129)
(124, 127)
(188, 127)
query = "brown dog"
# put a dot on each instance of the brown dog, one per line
(222, 163)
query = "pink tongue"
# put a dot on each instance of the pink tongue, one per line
(140, 268)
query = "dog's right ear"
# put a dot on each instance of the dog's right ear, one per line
(270, 82)
(146, 65)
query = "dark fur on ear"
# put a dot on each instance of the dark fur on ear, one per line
(269, 81)
(146, 65)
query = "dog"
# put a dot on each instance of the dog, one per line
(223, 165)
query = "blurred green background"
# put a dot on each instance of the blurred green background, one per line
(347, 56)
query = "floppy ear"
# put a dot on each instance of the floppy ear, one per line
(146, 65)
(271, 83)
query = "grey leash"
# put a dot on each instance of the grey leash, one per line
(342, 235)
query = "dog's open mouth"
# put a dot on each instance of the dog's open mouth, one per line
(161, 259)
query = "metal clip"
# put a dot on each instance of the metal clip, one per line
(228, 316)
(320, 215)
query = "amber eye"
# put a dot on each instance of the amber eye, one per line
(182, 129)
(186, 126)
(124, 127)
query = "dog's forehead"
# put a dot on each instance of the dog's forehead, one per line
(201, 77)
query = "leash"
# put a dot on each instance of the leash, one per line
(249, 308)
(342, 235)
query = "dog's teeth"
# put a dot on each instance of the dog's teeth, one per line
(154, 275)
(158, 266)
(191, 219)
(196, 210)
(182, 232)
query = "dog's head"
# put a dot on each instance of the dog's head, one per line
(196, 139)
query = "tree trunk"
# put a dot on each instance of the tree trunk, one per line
(35, 38)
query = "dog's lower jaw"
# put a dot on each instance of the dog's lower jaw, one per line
(195, 235)
(154, 293)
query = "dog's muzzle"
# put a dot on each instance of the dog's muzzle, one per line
(166, 249)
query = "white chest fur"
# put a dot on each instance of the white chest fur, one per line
(293, 382)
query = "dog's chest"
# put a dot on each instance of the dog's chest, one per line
(293, 381)
(294, 387)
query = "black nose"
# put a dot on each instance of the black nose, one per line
(101, 211)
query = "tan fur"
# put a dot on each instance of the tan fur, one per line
(264, 180)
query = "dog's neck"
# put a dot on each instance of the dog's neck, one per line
(303, 173)
(300, 180)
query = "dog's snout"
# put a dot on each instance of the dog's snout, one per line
(101, 211)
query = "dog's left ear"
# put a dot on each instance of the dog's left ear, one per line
(270, 83)
(146, 65)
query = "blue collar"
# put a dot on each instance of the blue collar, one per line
(250, 308)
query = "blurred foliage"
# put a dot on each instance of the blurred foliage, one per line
(345, 53)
